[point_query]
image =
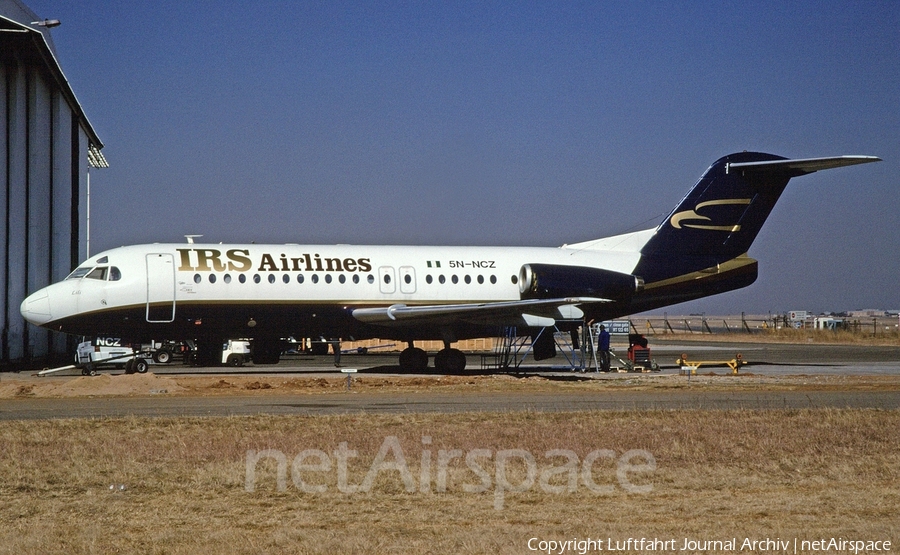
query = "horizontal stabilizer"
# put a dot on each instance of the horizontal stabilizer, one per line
(801, 166)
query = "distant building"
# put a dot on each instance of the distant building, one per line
(46, 147)
(868, 313)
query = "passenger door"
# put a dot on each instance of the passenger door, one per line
(160, 287)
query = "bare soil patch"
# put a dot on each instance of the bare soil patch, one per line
(136, 385)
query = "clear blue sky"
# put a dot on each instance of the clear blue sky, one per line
(493, 123)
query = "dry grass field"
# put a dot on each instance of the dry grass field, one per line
(182, 485)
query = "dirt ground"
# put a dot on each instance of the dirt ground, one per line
(139, 385)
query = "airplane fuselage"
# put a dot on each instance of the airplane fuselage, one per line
(180, 290)
(212, 292)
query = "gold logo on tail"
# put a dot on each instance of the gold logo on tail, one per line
(678, 217)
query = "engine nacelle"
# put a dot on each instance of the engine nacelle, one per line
(551, 281)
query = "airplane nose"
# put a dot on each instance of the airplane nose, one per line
(36, 308)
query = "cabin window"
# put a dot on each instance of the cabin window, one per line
(370, 278)
(299, 278)
(256, 278)
(242, 278)
(315, 278)
(342, 278)
(515, 279)
(494, 279)
(271, 278)
(286, 278)
(454, 279)
(468, 279)
(480, 280)
(428, 279)
(227, 278)
(355, 278)
(212, 278)
(327, 278)
(442, 279)
(197, 278)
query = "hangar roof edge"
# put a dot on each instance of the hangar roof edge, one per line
(37, 40)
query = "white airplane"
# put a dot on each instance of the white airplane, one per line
(212, 292)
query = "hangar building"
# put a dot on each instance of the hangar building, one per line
(46, 147)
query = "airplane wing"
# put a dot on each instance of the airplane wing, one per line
(529, 312)
(803, 165)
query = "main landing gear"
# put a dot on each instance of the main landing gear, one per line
(446, 361)
(450, 361)
(413, 359)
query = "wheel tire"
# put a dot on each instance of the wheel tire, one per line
(413, 359)
(209, 352)
(141, 366)
(450, 361)
(265, 351)
(162, 356)
(129, 366)
(234, 360)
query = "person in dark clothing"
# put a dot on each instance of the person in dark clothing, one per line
(336, 349)
(603, 348)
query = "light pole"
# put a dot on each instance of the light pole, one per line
(95, 160)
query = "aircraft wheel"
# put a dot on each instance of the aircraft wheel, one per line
(413, 359)
(450, 361)
(209, 352)
(266, 351)
(141, 365)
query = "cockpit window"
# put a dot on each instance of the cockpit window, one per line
(98, 273)
(79, 273)
(114, 274)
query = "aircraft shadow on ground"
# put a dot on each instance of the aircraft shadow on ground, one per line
(531, 372)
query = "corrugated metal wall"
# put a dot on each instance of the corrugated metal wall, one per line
(42, 158)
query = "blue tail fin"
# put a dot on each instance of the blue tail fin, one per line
(721, 216)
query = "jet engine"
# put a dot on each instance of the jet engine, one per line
(551, 281)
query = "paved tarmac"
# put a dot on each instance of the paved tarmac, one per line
(765, 360)
(399, 403)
